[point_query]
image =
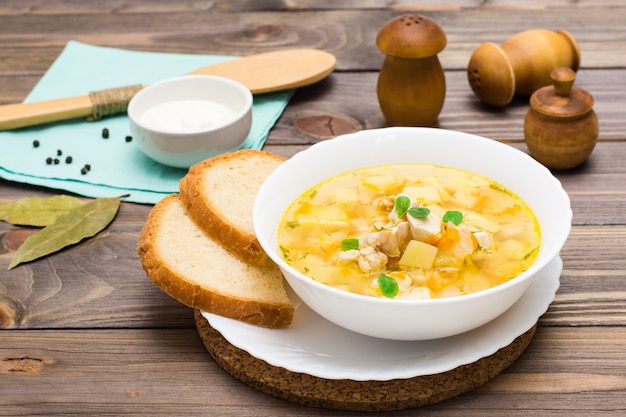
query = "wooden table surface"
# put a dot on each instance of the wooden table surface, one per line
(87, 333)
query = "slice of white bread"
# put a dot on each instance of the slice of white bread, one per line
(184, 262)
(219, 194)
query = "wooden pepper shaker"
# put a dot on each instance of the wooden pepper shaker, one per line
(521, 65)
(411, 84)
(561, 128)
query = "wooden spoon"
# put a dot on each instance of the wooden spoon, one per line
(261, 73)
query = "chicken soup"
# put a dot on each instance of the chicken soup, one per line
(409, 231)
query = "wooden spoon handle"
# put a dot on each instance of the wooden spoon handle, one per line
(261, 73)
(276, 70)
(13, 116)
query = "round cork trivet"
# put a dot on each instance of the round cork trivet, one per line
(351, 395)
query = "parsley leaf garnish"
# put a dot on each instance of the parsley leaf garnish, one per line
(388, 286)
(402, 205)
(453, 216)
(419, 212)
(349, 244)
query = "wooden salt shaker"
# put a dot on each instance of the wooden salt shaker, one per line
(411, 84)
(521, 65)
(561, 128)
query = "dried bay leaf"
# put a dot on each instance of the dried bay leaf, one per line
(35, 211)
(69, 228)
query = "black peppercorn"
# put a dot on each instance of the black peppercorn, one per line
(56, 161)
(48, 160)
(68, 160)
(36, 143)
(129, 138)
(105, 133)
(59, 152)
(88, 167)
(84, 170)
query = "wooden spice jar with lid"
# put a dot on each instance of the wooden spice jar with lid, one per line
(411, 85)
(521, 65)
(561, 128)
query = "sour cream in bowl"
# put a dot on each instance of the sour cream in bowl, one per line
(184, 120)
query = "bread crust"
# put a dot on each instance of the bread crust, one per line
(210, 218)
(167, 278)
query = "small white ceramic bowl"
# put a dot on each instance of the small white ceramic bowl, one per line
(413, 319)
(184, 120)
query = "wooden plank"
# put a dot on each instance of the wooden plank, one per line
(100, 283)
(97, 283)
(52, 7)
(348, 102)
(120, 376)
(350, 35)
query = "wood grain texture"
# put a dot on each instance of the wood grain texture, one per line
(349, 35)
(86, 331)
(351, 98)
(100, 284)
(167, 372)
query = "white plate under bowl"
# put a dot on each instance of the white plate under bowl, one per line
(315, 346)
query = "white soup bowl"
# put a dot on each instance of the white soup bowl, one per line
(413, 319)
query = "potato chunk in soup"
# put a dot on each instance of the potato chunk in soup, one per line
(409, 231)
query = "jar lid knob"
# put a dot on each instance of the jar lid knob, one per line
(563, 80)
(562, 99)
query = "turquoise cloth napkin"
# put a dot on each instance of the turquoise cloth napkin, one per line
(117, 167)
